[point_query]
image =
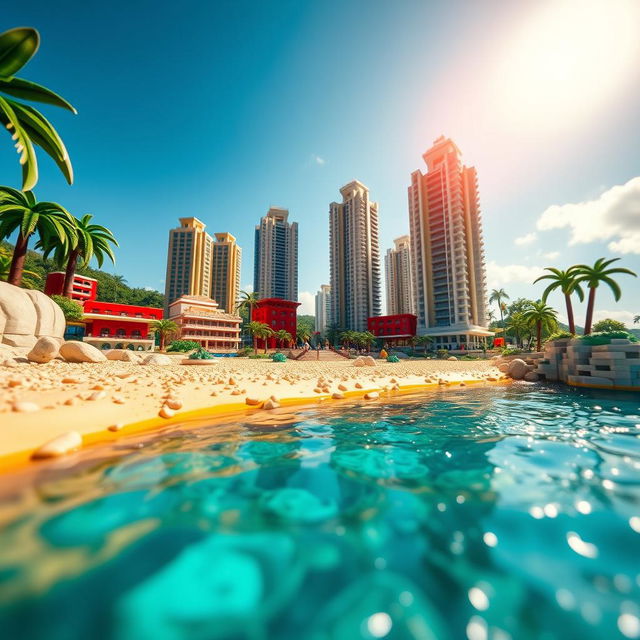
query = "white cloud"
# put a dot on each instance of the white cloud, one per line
(619, 314)
(498, 275)
(551, 255)
(612, 216)
(308, 306)
(317, 159)
(529, 238)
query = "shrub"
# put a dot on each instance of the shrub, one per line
(183, 345)
(244, 351)
(605, 337)
(71, 309)
(607, 325)
(259, 356)
(200, 354)
(560, 335)
(393, 359)
(441, 354)
(279, 357)
(509, 351)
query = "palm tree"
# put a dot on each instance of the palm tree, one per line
(636, 319)
(248, 300)
(347, 337)
(282, 336)
(20, 212)
(541, 317)
(93, 242)
(367, 339)
(595, 275)
(423, 341)
(518, 325)
(28, 125)
(303, 333)
(497, 296)
(259, 330)
(567, 283)
(164, 328)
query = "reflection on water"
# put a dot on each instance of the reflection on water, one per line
(486, 514)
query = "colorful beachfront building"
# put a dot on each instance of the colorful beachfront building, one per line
(106, 325)
(199, 319)
(395, 330)
(84, 288)
(277, 314)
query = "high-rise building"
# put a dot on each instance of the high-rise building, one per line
(188, 261)
(323, 308)
(398, 277)
(275, 272)
(225, 272)
(447, 250)
(355, 258)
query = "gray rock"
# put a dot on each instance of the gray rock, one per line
(157, 359)
(531, 376)
(518, 369)
(74, 351)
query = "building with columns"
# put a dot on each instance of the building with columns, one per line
(447, 250)
(225, 271)
(354, 258)
(276, 256)
(323, 308)
(398, 277)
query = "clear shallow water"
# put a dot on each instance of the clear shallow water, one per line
(486, 513)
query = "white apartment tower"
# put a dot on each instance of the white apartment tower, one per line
(354, 258)
(323, 308)
(398, 277)
(276, 256)
(447, 250)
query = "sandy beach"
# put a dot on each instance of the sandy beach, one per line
(103, 401)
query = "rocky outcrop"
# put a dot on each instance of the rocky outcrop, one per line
(123, 355)
(26, 315)
(157, 359)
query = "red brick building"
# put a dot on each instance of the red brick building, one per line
(108, 325)
(277, 314)
(394, 330)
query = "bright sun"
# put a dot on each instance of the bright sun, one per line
(567, 61)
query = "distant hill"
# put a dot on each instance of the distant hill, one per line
(110, 288)
(580, 330)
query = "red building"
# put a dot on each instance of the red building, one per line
(84, 288)
(394, 330)
(108, 325)
(277, 314)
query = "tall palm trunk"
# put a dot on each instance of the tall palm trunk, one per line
(572, 324)
(70, 273)
(539, 335)
(255, 345)
(17, 262)
(590, 305)
(162, 341)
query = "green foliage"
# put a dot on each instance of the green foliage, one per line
(605, 337)
(560, 335)
(200, 354)
(244, 351)
(279, 357)
(441, 354)
(72, 310)
(511, 352)
(259, 356)
(393, 358)
(183, 345)
(26, 124)
(608, 324)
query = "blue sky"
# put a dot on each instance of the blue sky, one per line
(221, 109)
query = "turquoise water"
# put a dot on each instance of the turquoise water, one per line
(489, 513)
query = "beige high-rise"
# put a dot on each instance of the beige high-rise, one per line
(225, 272)
(323, 308)
(354, 258)
(398, 277)
(189, 260)
(448, 250)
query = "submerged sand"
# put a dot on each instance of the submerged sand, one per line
(111, 399)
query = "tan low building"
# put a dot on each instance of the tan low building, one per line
(199, 319)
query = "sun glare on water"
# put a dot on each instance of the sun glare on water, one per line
(567, 60)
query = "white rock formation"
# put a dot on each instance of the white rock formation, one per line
(74, 351)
